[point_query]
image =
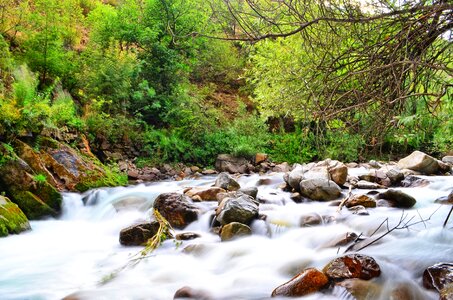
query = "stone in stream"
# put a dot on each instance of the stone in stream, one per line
(319, 189)
(414, 181)
(359, 289)
(232, 164)
(420, 162)
(187, 236)
(177, 209)
(438, 276)
(363, 184)
(447, 292)
(352, 266)
(251, 191)
(397, 198)
(204, 193)
(307, 282)
(359, 210)
(242, 209)
(191, 293)
(226, 182)
(376, 176)
(363, 200)
(139, 234)
(12, 219)
(314, 219)
(234, 230)
(342, 240)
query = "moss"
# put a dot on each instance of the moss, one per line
(32, 205)
(12, 219)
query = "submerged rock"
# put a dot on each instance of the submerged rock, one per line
(234, 230)
(414, 181)
(12, 219)
(438, 276)
(352, 266)
(177, 209)
(204, 193)
(420, 162)
(398, 198)
(319, 189)
(226, 182)
(360, 289)
(307, 282)
(187, 236)
(191, 293)
(139, 234)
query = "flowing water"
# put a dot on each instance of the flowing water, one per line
(80, 252)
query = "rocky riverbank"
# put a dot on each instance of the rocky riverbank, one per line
(326, 181)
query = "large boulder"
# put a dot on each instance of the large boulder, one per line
(320, 189)
(420, 162)
(178, 209)
(352, 266)
(12, 219)
(397, 198)
(226, 182)
(307, 282)
(234, 230)
(438, 276)
(139, 234)
(242, 209)
(232, 164)
(29, 190)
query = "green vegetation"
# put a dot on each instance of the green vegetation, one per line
(146, 78)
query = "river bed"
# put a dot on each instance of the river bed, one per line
(80, 252)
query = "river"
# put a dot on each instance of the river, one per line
(80, 252)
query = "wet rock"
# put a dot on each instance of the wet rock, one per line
(342, 240)
(359, 210)
(187, 236)
(352, 266)
(420, 162)
(309, 281)
(310, 220)
(446, 199)
(231, 164)
(444, 167)
(196, 249)
(363, 184)
(319, 189)
(394, 174)
(190, 293)
(12, 219)
(209, 172)
(360, 289)
(226, 182)
(438, 276)
(448, 159)
(397, 198)
(251, 191)
(176, 208)
(234, 230)
(204, 193)
(447, 292)
(414, 181)
(407, 291)
(294, 177)
(139, 234)
(242, 209)
(362, 200)
(296, 197)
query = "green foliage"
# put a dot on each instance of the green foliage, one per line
(40, 178)
(6, 153)
(293, 147)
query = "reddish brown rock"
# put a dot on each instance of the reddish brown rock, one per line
(352, 266)
(363, 200)
(309, 281)
(438, 276)
(204, 193)
(177, 209)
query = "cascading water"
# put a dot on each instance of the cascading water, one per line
(80, 252)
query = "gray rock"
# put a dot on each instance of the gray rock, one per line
(242, 209)
(251, 191)
(320, 189)
(448, 159)
(283, 167)
(414, 181)
(363, 184)
(420, 162)
(226, 182)
(295, 176)
(231, 164)
(359, 210)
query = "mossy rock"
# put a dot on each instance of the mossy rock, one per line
(33, 206)
(12, 219)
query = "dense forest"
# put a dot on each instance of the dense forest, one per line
(185, 80)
